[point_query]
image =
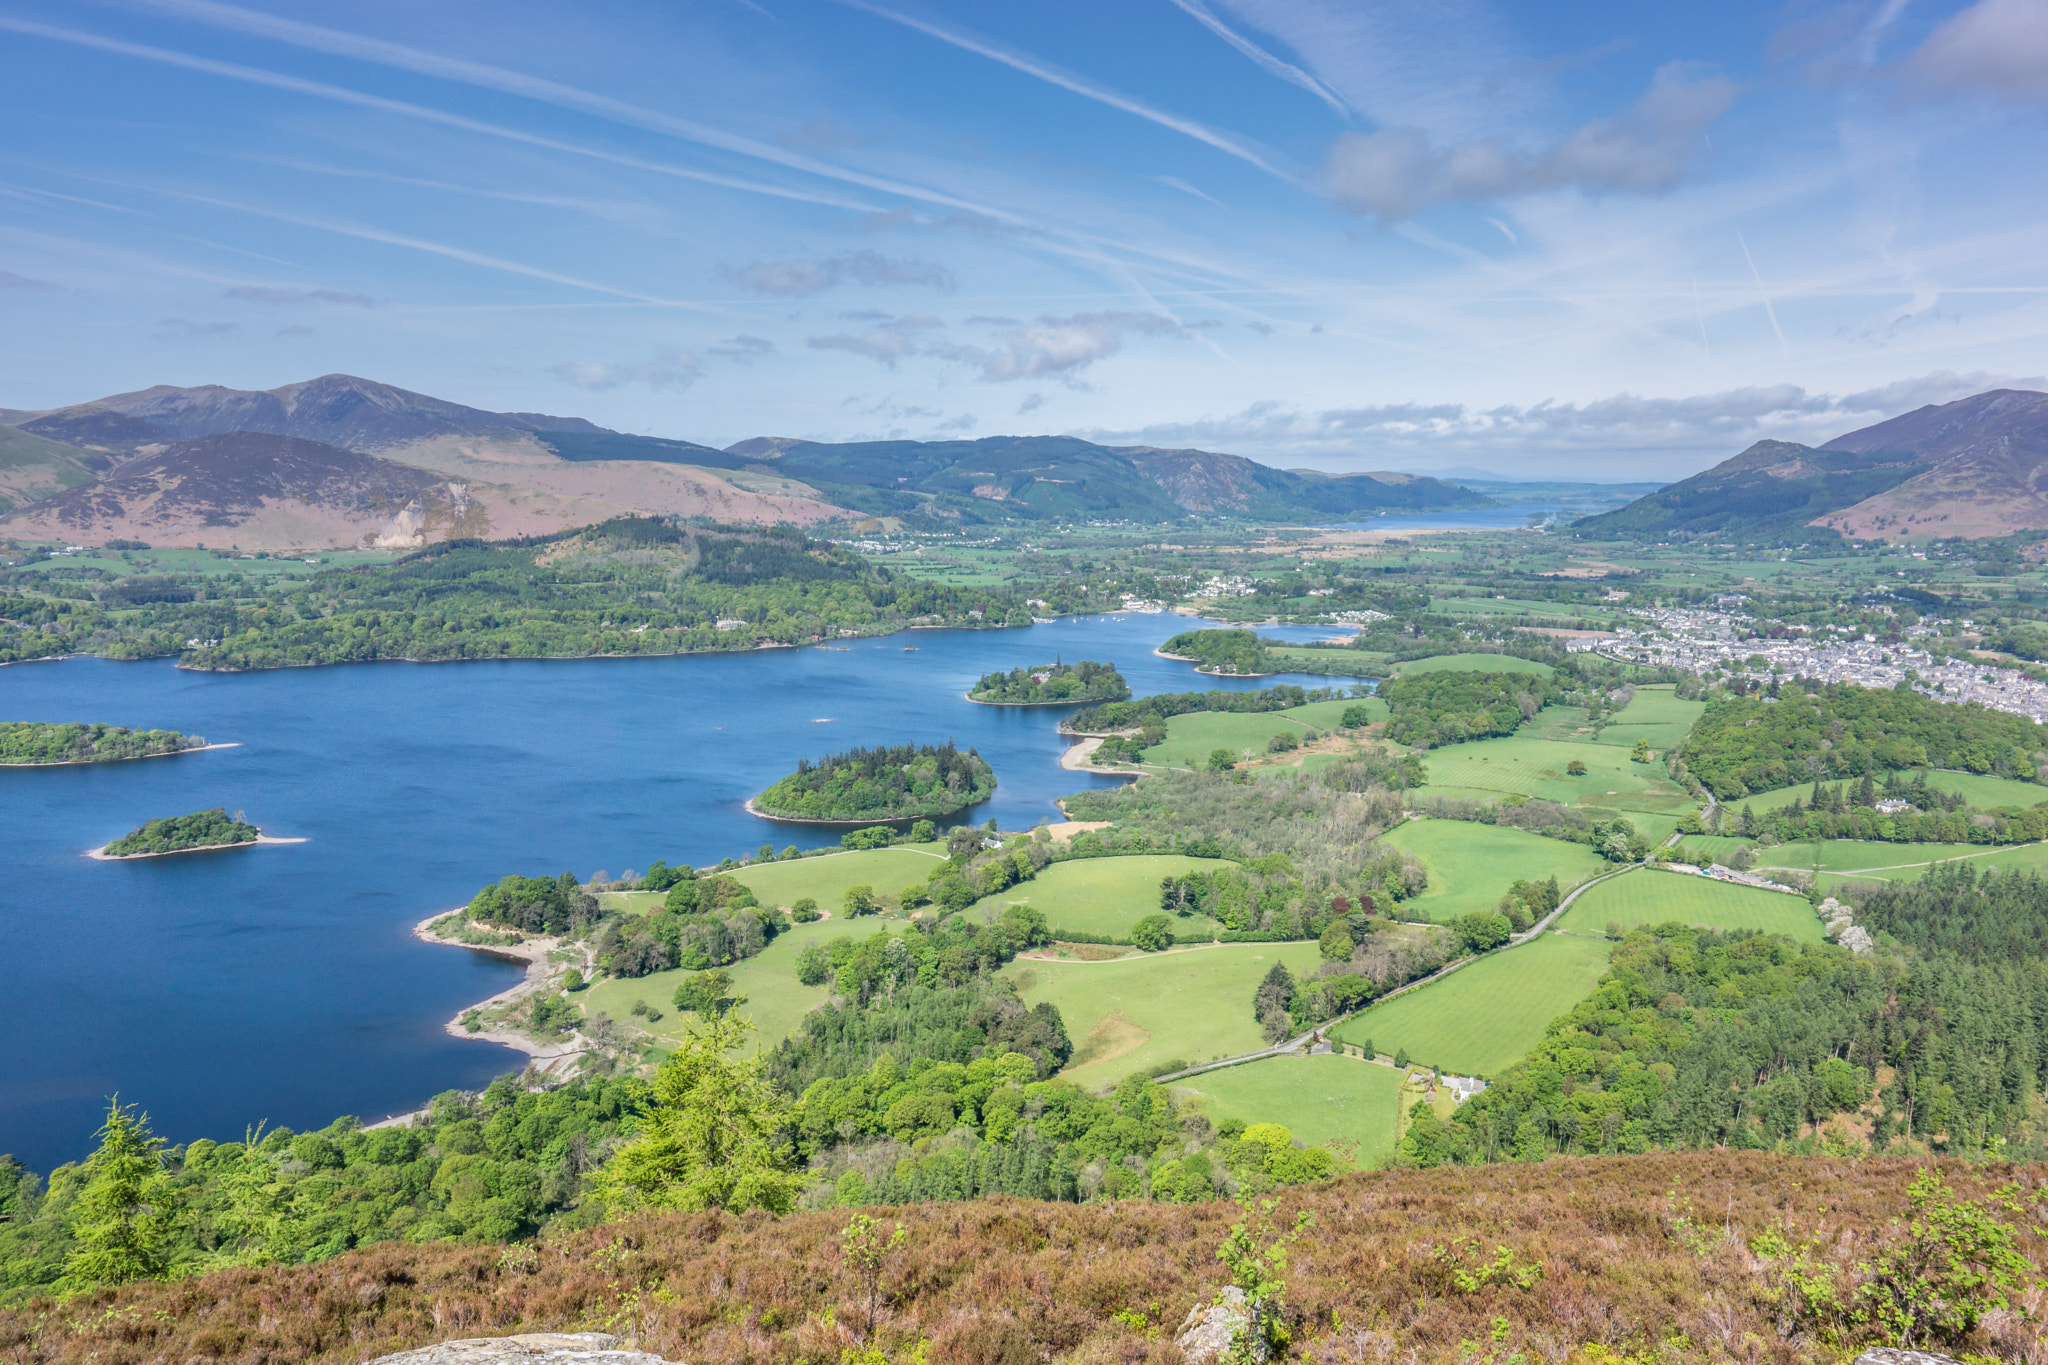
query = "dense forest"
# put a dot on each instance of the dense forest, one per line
(898, 782)
(1747, 744)
(488, 1167)
(631, 586)
(1049, 684)
(1450, 705)
(175, 833)
(1238, 653)
(39, 742)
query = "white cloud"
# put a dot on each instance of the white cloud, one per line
(1059, 347)
(668, 370)
(744, 349)
(1647, 149)
(1995, 47)
(862, 267)
(1644, 436)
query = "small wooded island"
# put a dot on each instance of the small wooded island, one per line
(861, 786)
(32, 742)
(1051, 684)
(184, 834)
(1230, 653)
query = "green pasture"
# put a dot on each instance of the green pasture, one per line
(1135, 1012)
(825, 879)
(1493, 768)
(1654, 714)
(1476, 663)
(1356, 663)
(1513, 606)
(1471, 866)
(1566, 723)
(1857, 855)
(2031, 856)
(1647, 896)
(1482, 1018)
(1320, 1099)
(776, 1000)
(1107, 895)
(1190, 738)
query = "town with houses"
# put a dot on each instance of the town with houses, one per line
(1713, 642)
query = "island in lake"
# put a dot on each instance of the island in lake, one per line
(862, 786)
(1228, 653)
(185, 834)
(1052, 684)
(34, 743)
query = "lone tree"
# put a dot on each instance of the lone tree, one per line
(127, 1215)
(709, 1136)
(1153, 933)
(1575, 768)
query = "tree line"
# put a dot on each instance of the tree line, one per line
(42, 742)
(885, 783)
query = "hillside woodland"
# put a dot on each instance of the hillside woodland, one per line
(1429, 709)
(1746, 744)
(1237, 653)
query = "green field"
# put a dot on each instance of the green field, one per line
(1136, 1012)
(1108, 895)
(1855, 855)
(1645, 896)
(1191, 737)
(1656, 714)
(1471, 866)
(1478, 663)
(776, 1000)
(1489, 769)
(2034, 856)
(1356, 663)
(1481, 1019)
(1320, 1099)
(1325, 715)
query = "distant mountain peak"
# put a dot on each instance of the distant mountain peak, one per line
(341, 410)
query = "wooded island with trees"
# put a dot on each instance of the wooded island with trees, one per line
(183, 834)
(30, 742)
(1051, 684)
(898, 782)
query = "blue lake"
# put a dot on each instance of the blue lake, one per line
(282, 983)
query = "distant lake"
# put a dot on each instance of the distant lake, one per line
(281, 983)
(1512, 517)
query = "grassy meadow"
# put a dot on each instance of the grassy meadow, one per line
(1136, 1012)
(824, 879)
(1985, 793)
(1482, 1018)
(776, 1000)
(1471, 866)
(1320, 1099)
(1473, 663)
(1190, 738)
(1656, 714)
(1107, 895)
(1647, 896)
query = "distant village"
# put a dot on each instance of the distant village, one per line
(1713, 641)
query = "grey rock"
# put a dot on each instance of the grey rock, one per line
(1208, 1329)
(533, 1348)
(1890, 1355)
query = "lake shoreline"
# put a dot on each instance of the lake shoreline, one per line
(132, 758)
(748, 806)
(536, 953)
(100, 854)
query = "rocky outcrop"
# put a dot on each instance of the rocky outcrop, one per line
(1209, 1328)
(1887, 1355)
(535, 1348)
(1842, 928)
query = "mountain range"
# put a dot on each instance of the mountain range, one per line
(1974, 468)
(340, 461)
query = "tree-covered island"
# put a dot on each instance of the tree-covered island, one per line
(32, 743)
(184, 834)
(1052, 684)
(901, 782)
(1230, 653)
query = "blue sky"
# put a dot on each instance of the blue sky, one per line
(1599, 240)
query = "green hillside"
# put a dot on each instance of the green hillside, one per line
(1768, 492)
